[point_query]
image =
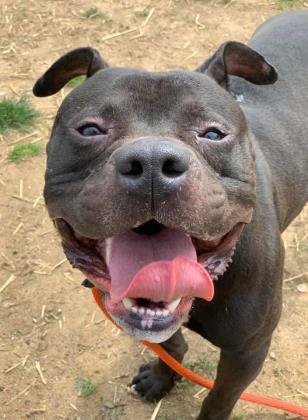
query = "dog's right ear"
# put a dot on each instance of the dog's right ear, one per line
(75, 63)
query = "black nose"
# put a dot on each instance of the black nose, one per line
(155, 164)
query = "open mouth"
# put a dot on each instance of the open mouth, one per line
(149, 275)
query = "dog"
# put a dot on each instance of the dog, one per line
(170, 191)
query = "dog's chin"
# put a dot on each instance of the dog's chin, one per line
(150, 312)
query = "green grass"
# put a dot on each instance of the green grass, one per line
(202, 367)
(85, 386)
(280, 372)
(112, 410)
(288, 3)
(184, 385)
(141, 13)
(16, 115)
(24, 151)
(240, 417)
(91, 13)
(76, 81)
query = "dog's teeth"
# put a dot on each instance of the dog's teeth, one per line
(148, 312)
(166, 312)
(108, 245)
(127, 303)
(173, 305)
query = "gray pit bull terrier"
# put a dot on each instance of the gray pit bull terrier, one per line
(170, 194)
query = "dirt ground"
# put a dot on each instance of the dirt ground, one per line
(48, 321)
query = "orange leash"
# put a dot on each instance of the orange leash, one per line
(187, 373)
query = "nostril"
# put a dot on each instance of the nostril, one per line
(136, 168)
(173, 168)
(131, 168)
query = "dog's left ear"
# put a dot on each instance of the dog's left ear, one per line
(75, 63)
(237, 59)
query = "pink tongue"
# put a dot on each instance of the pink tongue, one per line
(160, 267)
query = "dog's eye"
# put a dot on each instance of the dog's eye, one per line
(90, 130)
(212, 134)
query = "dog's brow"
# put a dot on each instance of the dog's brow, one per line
(110, 111)
(193, 108)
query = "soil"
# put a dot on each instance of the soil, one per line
(48, 321)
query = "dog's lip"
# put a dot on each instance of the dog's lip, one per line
(85, 253)
(205, 247)
(218, 247)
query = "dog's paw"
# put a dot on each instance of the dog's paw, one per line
(150, 384)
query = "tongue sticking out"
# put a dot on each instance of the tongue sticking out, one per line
(159, 267)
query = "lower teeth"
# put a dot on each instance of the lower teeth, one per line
(170, 308)
(150, 312)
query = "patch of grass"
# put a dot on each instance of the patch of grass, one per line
(85, 386)
(91, 13)
(184, 385)
(279, 372)
(4, 43)
(202, 367)
(288, 3)
(76, 81)
(141, 13)
(239, 417)
(24, 151)
(45, 14)
(16, 115)
(112, 411)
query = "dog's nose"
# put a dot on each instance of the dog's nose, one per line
(158, 165)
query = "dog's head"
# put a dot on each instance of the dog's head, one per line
(150, 180)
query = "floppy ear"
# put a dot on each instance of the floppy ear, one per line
(75, 63)
(237, 59)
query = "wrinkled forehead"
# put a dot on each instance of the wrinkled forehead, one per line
(129, 93)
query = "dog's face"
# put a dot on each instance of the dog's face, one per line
(150, 180)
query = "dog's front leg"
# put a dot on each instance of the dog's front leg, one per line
(236, 370)
(156, 379)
